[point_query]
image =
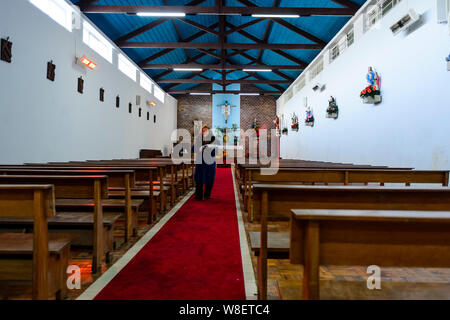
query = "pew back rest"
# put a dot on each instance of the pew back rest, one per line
(283, 198)
(116, 178)
(19, 200)
(65, 187)
(348, 176)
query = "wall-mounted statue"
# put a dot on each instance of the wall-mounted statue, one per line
(332, 110)
(372, 93)
(309, 121)
(294, 125)
(277, 125)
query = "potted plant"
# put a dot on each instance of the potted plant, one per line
(284, 131)
(371, 95)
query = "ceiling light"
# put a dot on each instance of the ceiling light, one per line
(187, 69)
(257, 70)
(200, 94)
(249, 94)
(275, 15)
(161, 14)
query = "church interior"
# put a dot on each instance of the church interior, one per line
(224, 150)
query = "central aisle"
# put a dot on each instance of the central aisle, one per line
(196, 254)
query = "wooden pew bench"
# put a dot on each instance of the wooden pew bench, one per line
(341, 177)
(38, 257)
(279, 200)
(383, 238)
(117, 179)
(88, 188)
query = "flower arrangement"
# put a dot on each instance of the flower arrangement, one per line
(284, 131)
(370, 92)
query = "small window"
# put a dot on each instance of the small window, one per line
(154, 118)
(130, 108)
(127, 67)
(148, 116)
(350, 38)
(159, 94)
(58, 10)
(335, 52)
(97, 42)
(140, 112)
(102, 95)
(117, 102)
(146, 83)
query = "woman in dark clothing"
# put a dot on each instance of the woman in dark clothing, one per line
(205, 171)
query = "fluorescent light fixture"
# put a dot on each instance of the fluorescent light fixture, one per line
(200, 94)
(249, 94)
(187, 69)
(160, 14)
(257, 70)
(275, 15)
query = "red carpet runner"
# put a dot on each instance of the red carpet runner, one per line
(196, 255)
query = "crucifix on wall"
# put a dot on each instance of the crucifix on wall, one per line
(226, 110)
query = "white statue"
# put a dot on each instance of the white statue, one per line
(226, 110)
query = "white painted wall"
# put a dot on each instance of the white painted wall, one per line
(410, 128)
(42, 120)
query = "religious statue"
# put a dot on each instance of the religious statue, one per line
(332, 110)
(371, 94)
(226, 110)
(277, 125)
(294, 125)
(373, 79)
(255, 127)
(309, 121)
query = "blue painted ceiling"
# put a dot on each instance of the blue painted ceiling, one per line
(116, 25)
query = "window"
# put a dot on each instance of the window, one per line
(335, 52)
(159, 94)
(58, 10)
(300, 85)
(146, 83)
(127, 67)
(379, 10)
(97, 42)
(316, 69)
(350, 38)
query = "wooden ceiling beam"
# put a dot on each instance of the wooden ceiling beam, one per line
(220, 67)
(258, 81)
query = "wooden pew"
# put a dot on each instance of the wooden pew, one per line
(341, 176)
(142, 173)
(119, 179)
(384, 238)
(74, 187)
(270, 199)
(49, 254)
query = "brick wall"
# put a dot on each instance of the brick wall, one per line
(191, 108)
(263, 108)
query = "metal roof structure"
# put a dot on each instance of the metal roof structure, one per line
(222, 38)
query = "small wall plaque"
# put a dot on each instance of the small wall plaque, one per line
(51, 71)
(117, 102)
(130, 108)
(80, 84)
(138, 100)
(140, 112)
(6, 50)
(102, 95)
(148, 116)
(154, 118)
